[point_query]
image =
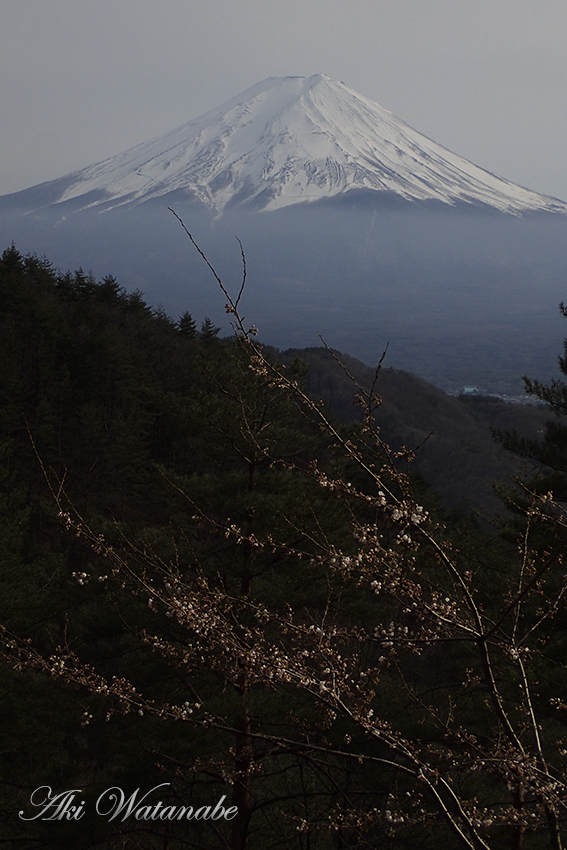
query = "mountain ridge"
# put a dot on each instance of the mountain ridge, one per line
(284, 141)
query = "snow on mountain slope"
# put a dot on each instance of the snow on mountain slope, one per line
(290, 140)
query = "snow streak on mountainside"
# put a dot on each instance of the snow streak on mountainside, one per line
(290, 140)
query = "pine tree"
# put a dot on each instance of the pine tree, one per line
(187, 326)
(209, 331)
(109, 291)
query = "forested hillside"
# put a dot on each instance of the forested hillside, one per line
(210, 585)
(450, 434)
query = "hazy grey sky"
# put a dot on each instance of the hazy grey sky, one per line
(84, 79)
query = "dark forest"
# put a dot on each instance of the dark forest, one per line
(215, 587)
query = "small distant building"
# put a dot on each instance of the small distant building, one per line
(469, 391)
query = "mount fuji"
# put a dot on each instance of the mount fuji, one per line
(355, 226)
(285, 141)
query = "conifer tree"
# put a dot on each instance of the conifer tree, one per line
(187, 326)
(109, 291)
(209, 331)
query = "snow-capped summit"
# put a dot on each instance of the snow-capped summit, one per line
(289, 140)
